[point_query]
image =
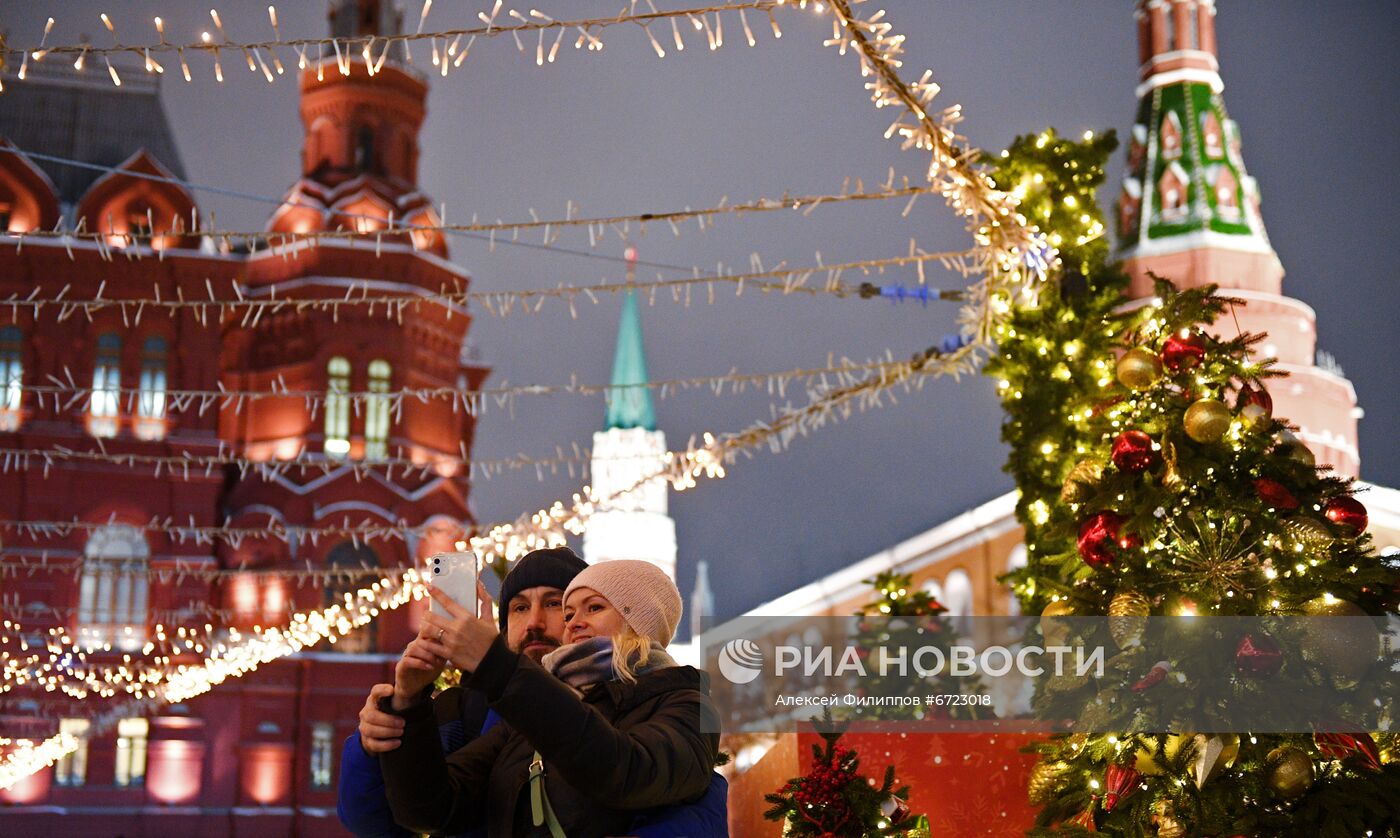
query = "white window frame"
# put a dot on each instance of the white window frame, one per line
(377, 410)
(337, 429)
(132, 738)
(112, 590)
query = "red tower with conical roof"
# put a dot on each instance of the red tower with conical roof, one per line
(359, 171)
(1190, 212)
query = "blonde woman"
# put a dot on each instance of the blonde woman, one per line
(605, 727)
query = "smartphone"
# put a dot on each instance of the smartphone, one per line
(455, 575)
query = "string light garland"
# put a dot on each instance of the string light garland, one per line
(1014, 256)
(448, 50)
(233, 657)
(595, 233)
(250, 303)
(68, 394)
(139, 242)
(680, 468)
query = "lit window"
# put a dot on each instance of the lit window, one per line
(112, 589)
(337, 408)
(71, 769)
(131, 751)
(106, 386)
(377, 411)
(11, 377)
(150, 404)
(322, 755)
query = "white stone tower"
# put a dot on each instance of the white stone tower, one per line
(635, 524)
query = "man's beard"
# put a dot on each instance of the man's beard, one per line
(536, 653)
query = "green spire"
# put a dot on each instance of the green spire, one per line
(630, 407)
(1187, 183)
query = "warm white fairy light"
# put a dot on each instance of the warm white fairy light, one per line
(233, 657)
(784, 281)
(23, 757)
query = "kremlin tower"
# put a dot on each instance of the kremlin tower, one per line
(635, 524)
(1189, 212)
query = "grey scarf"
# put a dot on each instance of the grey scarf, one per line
(591, 662)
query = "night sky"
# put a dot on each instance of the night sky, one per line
(622, 132)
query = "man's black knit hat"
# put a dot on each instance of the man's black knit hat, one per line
(554, 567)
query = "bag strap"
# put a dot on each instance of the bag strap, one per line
(540, 810)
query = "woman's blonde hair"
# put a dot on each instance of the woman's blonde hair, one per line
(630, 650)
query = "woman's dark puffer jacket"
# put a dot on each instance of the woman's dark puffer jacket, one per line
(623, 748)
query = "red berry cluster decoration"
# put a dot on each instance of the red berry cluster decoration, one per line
(824, 783)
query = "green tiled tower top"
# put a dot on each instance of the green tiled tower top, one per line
(1186, 175)
(630, 406)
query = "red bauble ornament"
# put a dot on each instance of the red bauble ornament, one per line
(1346, 512)
(1259, 396)
(1183, 351)
(1359, 749)
(1258, 656)
(1275, 494)
(1098, 538)
(1120, 781)
(1132, 452)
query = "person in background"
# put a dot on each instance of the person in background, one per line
(533, 624)
(602, 729)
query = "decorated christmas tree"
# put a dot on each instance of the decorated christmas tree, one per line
(1155, 480)
(1052, 345)
(834, 800)
(902, 616)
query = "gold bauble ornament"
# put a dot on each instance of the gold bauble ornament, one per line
(1081, 482)
(1138, 368)
(1056, 631)
(1290, 771)
(1127, 617)
(1207, 420)
(1164, 817)
(1045, 779)
(1346, 649)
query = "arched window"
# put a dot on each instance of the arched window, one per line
(112, 590)
(150, 406)
(377, 410)
(364, 150)
(11, 377)
(337, 443)
(957, 597)
(106, 386)
(347, 556)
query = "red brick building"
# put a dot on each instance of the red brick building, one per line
(258, 755)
